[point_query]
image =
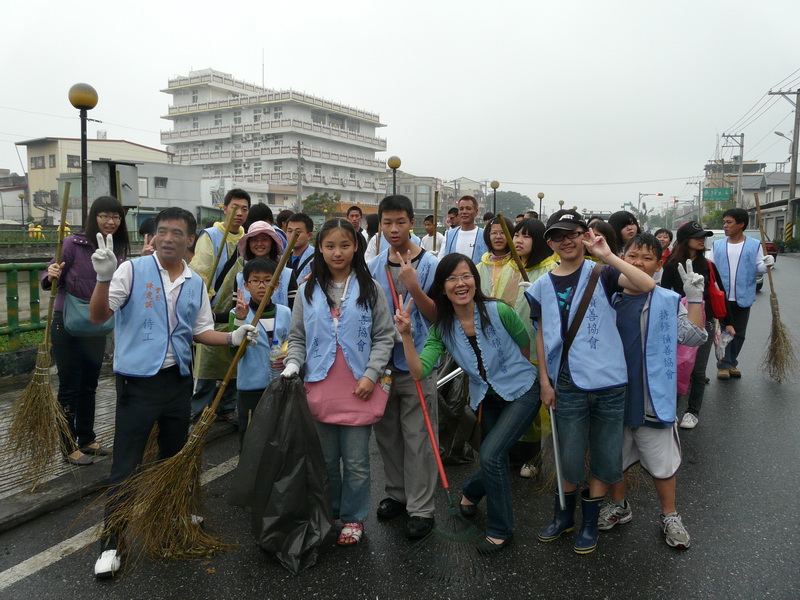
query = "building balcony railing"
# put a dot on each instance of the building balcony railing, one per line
(278, 152)
(257, 98)
(324, 181)
(273, 126)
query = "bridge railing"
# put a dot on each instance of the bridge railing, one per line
(14, 328)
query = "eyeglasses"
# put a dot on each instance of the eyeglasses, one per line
(258, 282)
(560, 237)
(457, 278)
(112, 218)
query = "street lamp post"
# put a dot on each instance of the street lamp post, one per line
(560, 205)
(394, 164)
(22, 208)
(83, 97)
(540, 196)
(494, 185)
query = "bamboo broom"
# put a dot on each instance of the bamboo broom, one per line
(210, 282)
(155, 507)
(39, 427)
(435, 222)
(779, 359)
(514, 254)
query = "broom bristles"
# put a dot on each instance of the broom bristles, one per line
(38, 428)
(780, 361)
(447, 553)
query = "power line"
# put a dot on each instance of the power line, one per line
(597, 183)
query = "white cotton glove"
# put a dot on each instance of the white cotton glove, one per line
(290, 371)
(769, 260)
(245, 331)
(525, 284)
(693, 283)
(104, 260)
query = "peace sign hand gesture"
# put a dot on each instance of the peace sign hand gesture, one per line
(241, 305)
(596, 245)
(402, 316)
(693, 283)
(104, 260)
(148, 247)
(408, 274)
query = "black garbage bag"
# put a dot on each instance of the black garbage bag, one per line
(457, 421)
(282, 477)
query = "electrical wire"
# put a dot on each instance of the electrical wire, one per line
(595, 183)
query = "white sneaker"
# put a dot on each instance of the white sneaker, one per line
(612, 514)
(689, 421)
(674, 532)
(197, 520)
(108, 564)
(528, 470)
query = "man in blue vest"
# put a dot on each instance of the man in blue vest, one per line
(211, 364)
(467, 238)
(738, 258)
(160, 307)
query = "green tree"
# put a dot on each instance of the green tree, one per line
(713, 219)
(321, 204)
(510, 203)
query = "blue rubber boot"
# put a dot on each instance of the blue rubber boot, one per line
(563, 520)
(586, 541)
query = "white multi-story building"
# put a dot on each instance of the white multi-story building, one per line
(277, 144)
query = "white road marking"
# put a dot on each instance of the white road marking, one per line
(77, 542)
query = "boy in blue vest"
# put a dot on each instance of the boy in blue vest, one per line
(160, 307)
(656, 322)
(408, 461)
(254, 367)
(587, 386)
(211, 364)
(738, 258)
(303, 252)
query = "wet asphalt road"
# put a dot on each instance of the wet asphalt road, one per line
(737, 492)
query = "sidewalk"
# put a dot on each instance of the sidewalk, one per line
(64, 483)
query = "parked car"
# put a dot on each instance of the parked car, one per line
(772, 249)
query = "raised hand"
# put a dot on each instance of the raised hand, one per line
(596, 245)
(408, 274)
(693, 283)
(104, 260)
(241, 306)
(148, 247)
(402, 315)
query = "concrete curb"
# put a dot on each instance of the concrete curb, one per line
(70, 487)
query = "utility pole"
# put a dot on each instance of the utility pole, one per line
(793, 176)
(740, 144)
(299, 176)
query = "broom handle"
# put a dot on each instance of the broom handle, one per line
(432, 437)
(435, 213)
(210, 282)
(262, 305)
(764, 244)
(54, 283)
(559, 478)
(514, 253)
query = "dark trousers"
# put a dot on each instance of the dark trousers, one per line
(78, 360)
(739, 317)
(246, 403)
(698, 377)
(141, 403)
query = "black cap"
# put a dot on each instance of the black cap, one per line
(691, 229)
(566, 219)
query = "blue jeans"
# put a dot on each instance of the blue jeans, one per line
(502, 424)
(594, 418)
(349, 484)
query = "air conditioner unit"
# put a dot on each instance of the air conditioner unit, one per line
(361, 183)
(247, 165)
(265, 110)
(247, 137)
(343, 181)
(326, 180)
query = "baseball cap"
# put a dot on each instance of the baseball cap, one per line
(566, 219)
(691, 229)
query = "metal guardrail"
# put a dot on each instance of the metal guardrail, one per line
(21, 236)
(14, 328)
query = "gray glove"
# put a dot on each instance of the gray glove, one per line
(104, 260)
(693, 283)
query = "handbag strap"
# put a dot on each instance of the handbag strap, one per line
(584, 304)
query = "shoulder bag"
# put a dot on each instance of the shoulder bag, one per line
(77, 321)
(719, 304)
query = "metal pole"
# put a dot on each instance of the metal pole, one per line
(22, 209)
(494, 202)
(84, 174)
(394, 182)
(299, 176)
(741, 169)
(793, 179)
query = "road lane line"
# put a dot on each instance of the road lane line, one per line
(77, 542)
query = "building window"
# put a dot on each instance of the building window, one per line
(257, 167)
(257, 144)
(408, 188)
(217, 119)
(195, 122)
(318, 170)
(277, 112)
(277, 166)
(353, 126)
(73, 161)
(195, 96)
(37, 162)
(52, 161)
(217, 147)
(160, 182)
(277, 140)
(143, 185)
(784, 194)
(237, 117)
(422, 189)
(256, 116)
(237, 169)
(352, 174)
(318, 118)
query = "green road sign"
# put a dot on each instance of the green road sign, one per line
(716, 194)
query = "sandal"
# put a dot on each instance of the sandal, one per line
(351, 534)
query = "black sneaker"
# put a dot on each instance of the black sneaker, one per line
(389, 508)
(419, 527)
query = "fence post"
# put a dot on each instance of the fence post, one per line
(12, 304)
(35, 302)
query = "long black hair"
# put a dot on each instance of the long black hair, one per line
(108, 204)
(445, 314)
(609, 234)
(681, 253)
(322, 276)
(534, 229)
(619, 221)
(487, 233)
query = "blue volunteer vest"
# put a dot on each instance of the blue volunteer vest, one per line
(596, 357)
(745, 270)
(355, 325)
(254, 368)
(279, 296)
(216, 239)
(309, 251)
(421, 326)
(142, 324)
(509, 373)
(478, 249)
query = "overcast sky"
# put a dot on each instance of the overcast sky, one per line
(556, 97)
